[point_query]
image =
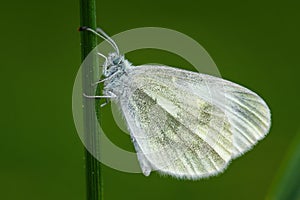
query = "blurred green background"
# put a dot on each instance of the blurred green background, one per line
(254, 43)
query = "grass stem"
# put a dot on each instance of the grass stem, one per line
(88, 42)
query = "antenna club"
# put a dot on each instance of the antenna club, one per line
(82, 28)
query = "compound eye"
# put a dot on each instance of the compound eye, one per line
(116, 61)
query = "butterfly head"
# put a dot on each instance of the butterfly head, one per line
(114, 63)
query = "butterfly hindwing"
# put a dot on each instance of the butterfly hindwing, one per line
(187, 124)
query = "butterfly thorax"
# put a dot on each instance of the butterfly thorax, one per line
(115, 64)
(114, 68)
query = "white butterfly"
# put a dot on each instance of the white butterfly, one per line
(185, 124)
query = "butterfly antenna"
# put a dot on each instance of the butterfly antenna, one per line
(99, 30)
(102, 35)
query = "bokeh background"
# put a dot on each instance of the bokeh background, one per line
(254, 43)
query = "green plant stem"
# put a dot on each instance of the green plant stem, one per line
(88, 42)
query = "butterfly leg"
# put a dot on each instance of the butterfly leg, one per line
(104, 104)
(100, 81)
(111, 95)
(103, 80)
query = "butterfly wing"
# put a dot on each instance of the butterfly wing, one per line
(187, 124)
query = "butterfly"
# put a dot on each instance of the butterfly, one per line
(184, 124)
